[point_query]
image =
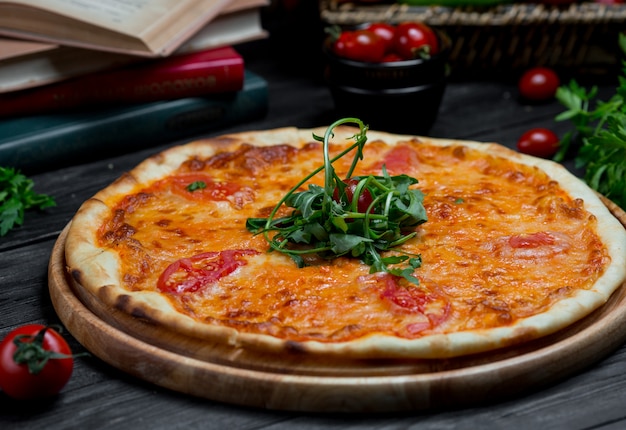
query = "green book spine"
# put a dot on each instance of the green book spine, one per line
(42, 142)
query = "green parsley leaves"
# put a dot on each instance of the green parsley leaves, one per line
(16, 197)
(326, 221)
(599, 135)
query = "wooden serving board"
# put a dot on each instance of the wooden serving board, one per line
(298, 382)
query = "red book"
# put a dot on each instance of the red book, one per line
(201, 73)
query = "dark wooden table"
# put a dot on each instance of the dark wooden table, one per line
(100, 396)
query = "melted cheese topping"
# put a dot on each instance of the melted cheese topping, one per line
(502, 242)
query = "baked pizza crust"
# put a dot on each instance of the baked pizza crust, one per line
(95, 270)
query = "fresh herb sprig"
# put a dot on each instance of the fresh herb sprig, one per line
(599, 135)
(16, 197)
(326, 222)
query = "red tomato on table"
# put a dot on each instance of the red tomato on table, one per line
(540, 142)
(538, 84)
(51, 368)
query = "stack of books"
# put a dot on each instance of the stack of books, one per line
(80, 80)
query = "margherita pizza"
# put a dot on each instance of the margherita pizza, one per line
(348, 242)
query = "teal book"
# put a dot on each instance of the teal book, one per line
(43, 142)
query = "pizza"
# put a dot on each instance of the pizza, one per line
(346, 242)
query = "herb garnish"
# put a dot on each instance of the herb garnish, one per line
(326, 222)
(17, 196)
(599, 135)
(194, 186)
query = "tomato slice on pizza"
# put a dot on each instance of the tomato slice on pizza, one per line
(431, 308)
(188, 275)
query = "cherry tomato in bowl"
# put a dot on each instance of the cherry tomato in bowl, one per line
(539, 142)
(538, 84)
(35, 362)
(379, 92)
(385, 31)
(415, 40)
(375, 42)
(360, 45)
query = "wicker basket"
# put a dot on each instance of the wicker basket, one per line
(503, 40)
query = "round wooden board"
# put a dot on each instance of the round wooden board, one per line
(302, 383)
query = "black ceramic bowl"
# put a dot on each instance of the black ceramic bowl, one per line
(399, 97)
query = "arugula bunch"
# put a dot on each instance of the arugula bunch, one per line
(17, 196)
(326, 222)
(599, 135)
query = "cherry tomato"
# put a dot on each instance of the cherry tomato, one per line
(385, 31)
(538, 84)
(540, 142)
(415, 40)
(365, 198)
(24, 378)
(360, 45)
